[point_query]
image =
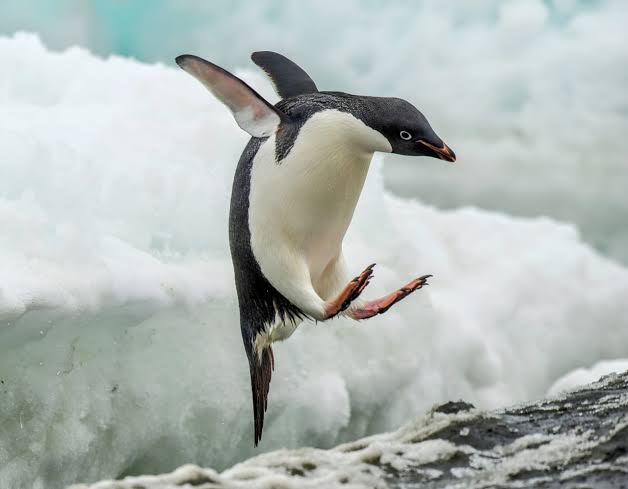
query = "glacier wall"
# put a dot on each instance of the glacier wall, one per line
(119, 346)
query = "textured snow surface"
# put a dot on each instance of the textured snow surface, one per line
(120, 351)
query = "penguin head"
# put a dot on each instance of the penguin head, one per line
(406, 129)
(403, 126)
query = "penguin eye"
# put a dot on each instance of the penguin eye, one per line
(405, 135)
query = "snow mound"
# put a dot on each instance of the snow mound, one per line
(120, 351)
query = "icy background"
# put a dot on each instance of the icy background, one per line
(534, 92)
(119, 348)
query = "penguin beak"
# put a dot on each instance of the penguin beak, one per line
(444, 153)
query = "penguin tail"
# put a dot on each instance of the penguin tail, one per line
(261, 367)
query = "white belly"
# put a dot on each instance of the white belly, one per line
(302, 206)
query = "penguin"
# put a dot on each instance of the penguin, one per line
(295, 190)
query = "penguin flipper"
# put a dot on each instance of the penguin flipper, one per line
(261, 371)
(288, 78)
(250, 110)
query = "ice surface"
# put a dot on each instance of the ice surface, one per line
(515, 448)
(582, 375)
(119, 346)
(531, 93)
(352, 465)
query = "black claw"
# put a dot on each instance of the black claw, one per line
(361, 289)
(365, 276)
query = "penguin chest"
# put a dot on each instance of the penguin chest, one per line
(303, 204)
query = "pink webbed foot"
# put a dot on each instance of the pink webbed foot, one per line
(351, 292)
(381, 305)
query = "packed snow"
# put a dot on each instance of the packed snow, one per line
(120, 350)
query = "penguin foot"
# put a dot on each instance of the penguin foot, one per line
(381, 305)
(350, 293)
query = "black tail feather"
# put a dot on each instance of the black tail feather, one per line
(261, 373)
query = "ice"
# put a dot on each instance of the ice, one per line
(531, 93)
(120, 351)
(353, 465)
(582, 375)
(426, 450)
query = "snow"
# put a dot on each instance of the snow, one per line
(532, 93)
(582, 375)
(403, 457)
(353, 465)
(120, 351)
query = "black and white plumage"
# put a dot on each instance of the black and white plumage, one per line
(295, 189)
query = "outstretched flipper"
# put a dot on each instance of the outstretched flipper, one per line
(381, 305)
(251, 111)
(261, 371)
(288, 78)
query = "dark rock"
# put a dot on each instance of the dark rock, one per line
(576, 440)
(452, 407)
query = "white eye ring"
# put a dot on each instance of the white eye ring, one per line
(405, 135)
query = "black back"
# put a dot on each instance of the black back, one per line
(288, 77)
(259, 302)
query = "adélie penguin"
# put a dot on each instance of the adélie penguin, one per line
(295, 189)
